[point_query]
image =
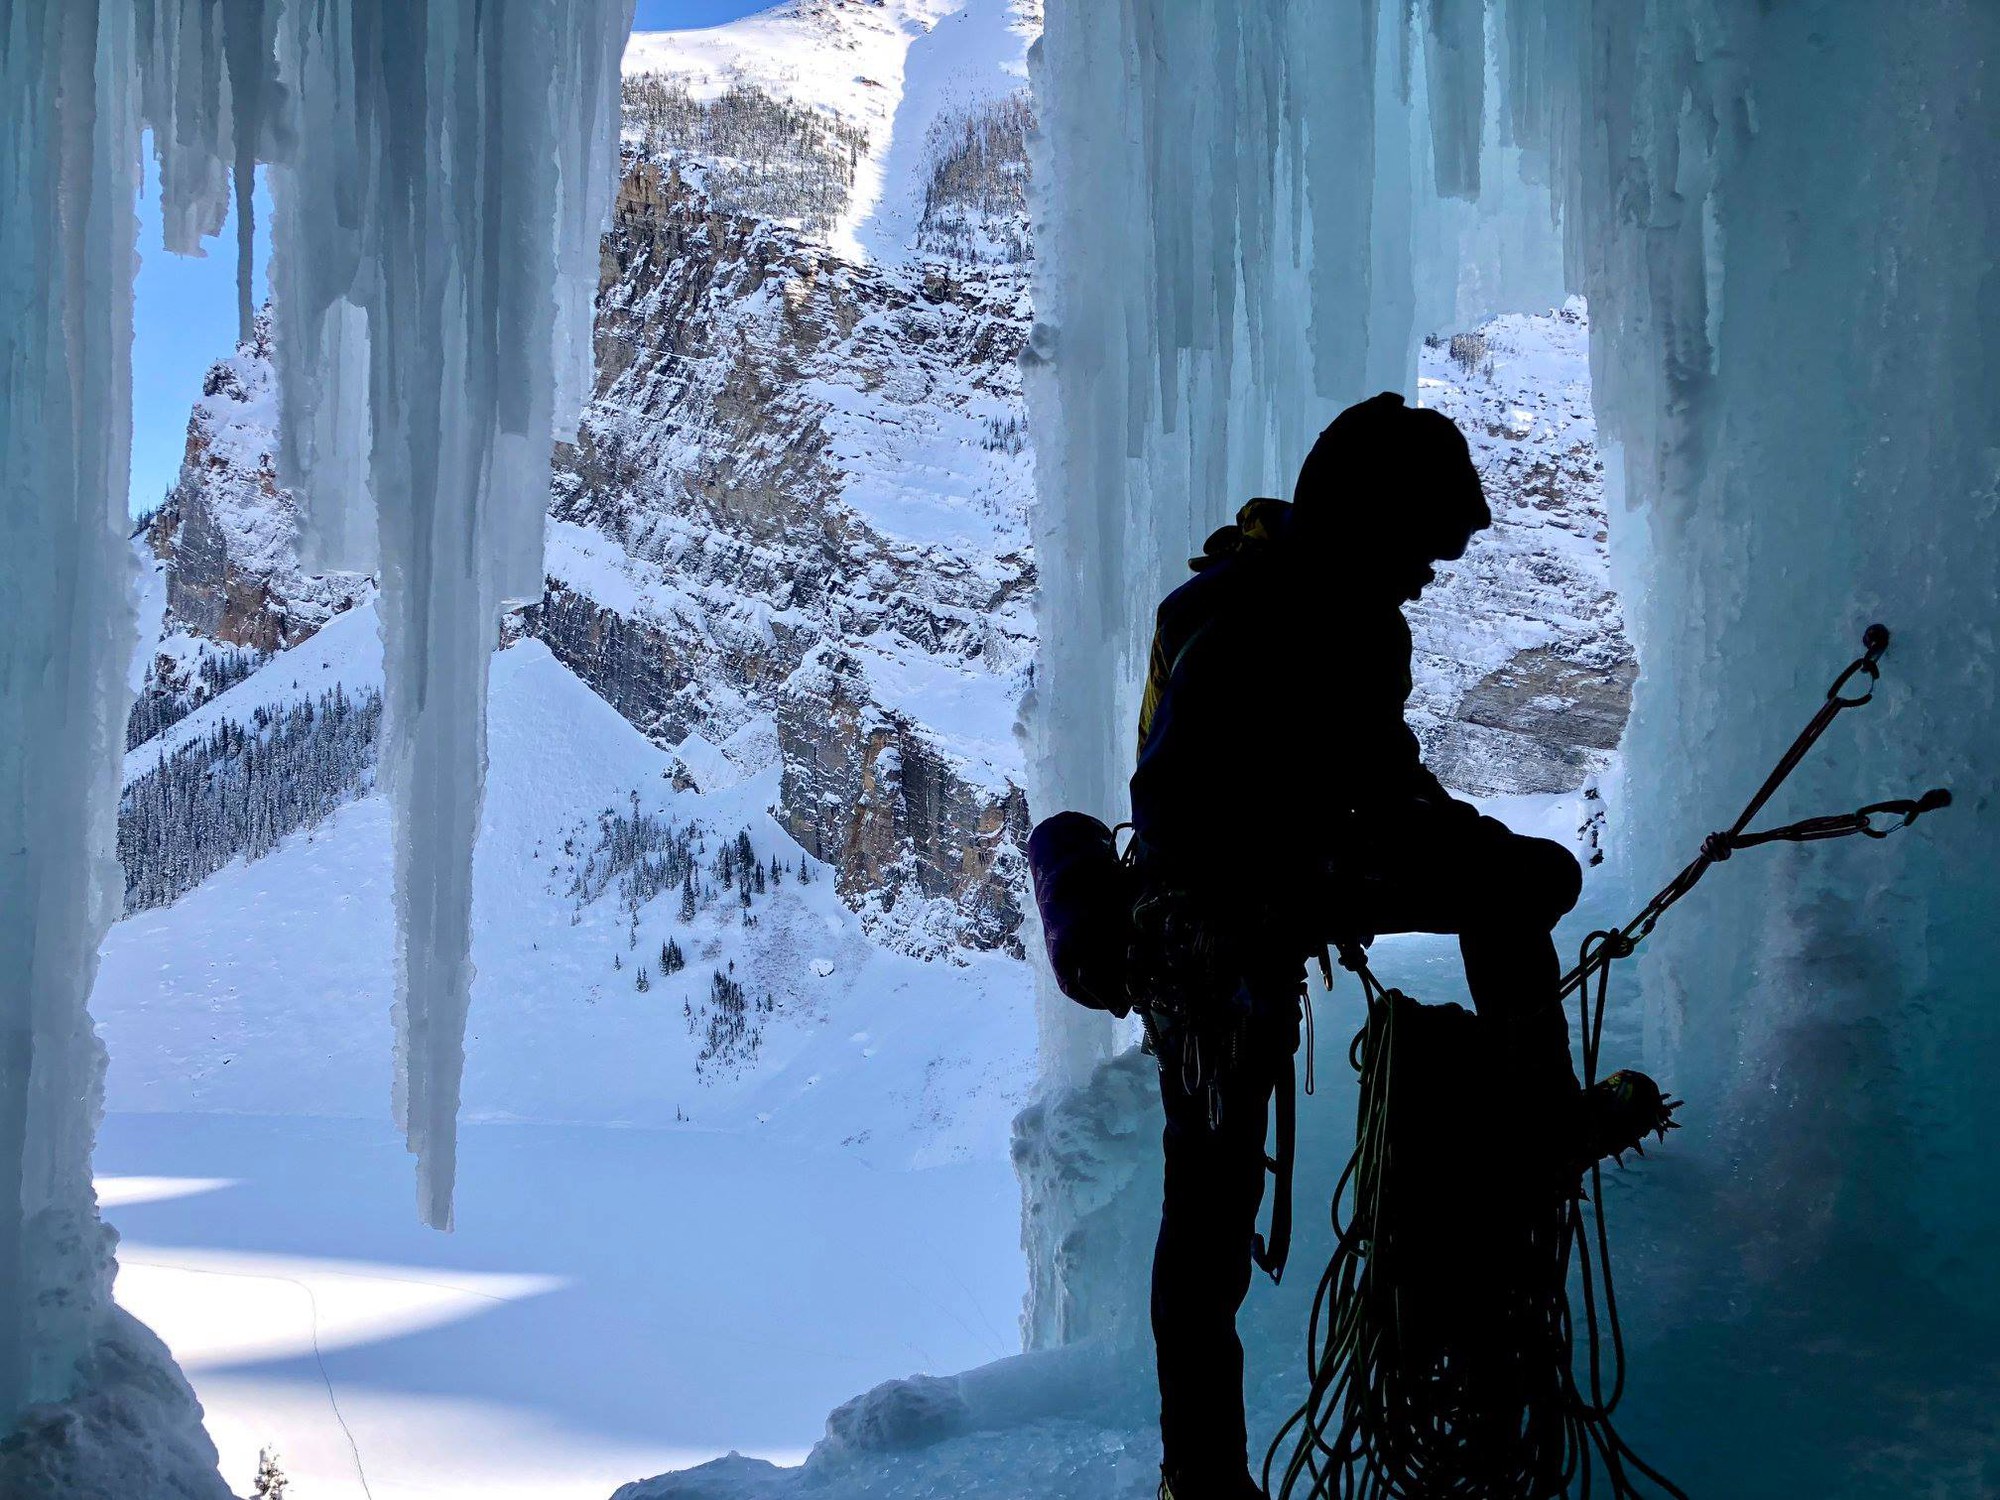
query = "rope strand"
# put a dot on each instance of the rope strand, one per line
(1396, 1410)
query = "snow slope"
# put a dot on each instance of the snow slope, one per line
(263, 990)
(889, 66)
(651, 1267)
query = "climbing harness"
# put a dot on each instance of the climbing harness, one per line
(1444, 1364)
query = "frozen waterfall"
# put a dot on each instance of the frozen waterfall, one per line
(434, 335)
(67, 176)
(444, 170)
(1784, 220)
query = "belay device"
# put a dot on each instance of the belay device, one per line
(1442, 1343)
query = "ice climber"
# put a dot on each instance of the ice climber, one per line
(1281, 801)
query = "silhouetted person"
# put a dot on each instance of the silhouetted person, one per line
(1281, 800)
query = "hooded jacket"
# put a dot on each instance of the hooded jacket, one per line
(1272, 735)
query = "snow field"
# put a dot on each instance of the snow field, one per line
(258, 991)
(612, 1304)
(649, 1269)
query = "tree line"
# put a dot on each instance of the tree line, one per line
(241, 789)
(760, 155)
(976, 181)
(163, 703)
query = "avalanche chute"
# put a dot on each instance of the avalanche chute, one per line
(1447, 1355)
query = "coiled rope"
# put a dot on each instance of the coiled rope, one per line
(1422, 1391)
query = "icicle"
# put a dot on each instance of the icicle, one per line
(1455, 65)
(1782, 218)
(69, 93)
(451, 167)
(439, 221)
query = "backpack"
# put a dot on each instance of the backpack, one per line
(1084, 891)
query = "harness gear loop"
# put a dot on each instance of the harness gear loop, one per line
(1270, 1255)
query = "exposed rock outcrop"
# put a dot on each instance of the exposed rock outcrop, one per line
(228, 531)
(928, 857)
(1524, 672)
(799, 496)
(227, 537)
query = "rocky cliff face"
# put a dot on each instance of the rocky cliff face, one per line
(229, 533)
(1523, 667)
(227, 541)
(922, 849)
(793, 530)
(794, 524)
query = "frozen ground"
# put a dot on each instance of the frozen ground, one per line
(651, 1267)
(613, 1304)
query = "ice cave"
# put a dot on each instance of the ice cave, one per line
(698, 490)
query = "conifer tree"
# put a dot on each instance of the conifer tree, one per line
(270, 1483)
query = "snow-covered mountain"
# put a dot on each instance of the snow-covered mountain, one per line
(1523, 667)
(789, 609)
(794, 531)
(790, 550)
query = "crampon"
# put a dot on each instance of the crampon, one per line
(1619, 1111)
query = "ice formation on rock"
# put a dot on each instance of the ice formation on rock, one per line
(67, 174)
(444, 262)
(449, 171)
(1782, 220)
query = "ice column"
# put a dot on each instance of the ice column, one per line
(436, 269)
(68, 158)
(1244, 232)
(1784, 219)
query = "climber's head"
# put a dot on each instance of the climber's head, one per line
(1391, 487)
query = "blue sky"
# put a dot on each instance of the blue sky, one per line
(184, 314)
(183, 321)
(674, 15)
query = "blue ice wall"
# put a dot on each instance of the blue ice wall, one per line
(1784, 220)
